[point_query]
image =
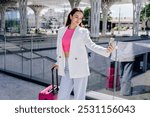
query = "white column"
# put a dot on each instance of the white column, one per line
(37, 9)
(23, 17)
(37, 19)
(95, 18)
(2, 11)
(74, 3)
(136, 16)
(106, 4)
(105, 9)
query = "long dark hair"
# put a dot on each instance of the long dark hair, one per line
(72, 12)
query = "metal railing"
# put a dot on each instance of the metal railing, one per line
(21, 56)
(34, 57)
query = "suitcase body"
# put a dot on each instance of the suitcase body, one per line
(50, 92)
(47, 93)
(110, 79)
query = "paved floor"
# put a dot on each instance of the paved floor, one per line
(16, 89)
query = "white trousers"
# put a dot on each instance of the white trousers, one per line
(67, 84)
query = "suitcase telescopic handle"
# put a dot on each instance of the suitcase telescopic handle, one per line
(53, 87)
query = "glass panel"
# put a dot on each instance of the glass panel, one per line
(2, 51)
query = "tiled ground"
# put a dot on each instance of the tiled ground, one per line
(16, 89)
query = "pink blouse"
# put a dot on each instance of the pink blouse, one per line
(66, 41)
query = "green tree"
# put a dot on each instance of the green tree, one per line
(109, 18)
(145, 12)
(87, 11)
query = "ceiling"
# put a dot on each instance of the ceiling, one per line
(61, 2)
(64, 3)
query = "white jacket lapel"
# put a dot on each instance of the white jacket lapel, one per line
(74, 36)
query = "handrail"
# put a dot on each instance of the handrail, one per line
(52, 70)
(25, 49)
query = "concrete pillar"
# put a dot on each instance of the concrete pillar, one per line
(105, 9)
(74, 3)
(3, 6)
(95, 18)
(37, 9)
(106, 4)
(23, 17)
(136, 16)
(37, 20)
(2, 11)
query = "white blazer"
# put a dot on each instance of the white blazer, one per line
(78, 58)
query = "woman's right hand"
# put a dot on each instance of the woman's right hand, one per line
(55, 66)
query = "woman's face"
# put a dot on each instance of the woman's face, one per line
(76, 19)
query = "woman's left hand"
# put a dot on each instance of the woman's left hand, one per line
(110, 48)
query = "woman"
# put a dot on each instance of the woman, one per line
(72, 59)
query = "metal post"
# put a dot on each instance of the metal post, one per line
(43, 68)
(31, 54)
(116, 69)
(21, 48)
(4, 52)
(119, 24)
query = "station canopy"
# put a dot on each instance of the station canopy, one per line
(61, 2)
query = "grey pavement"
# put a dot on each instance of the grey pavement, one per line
(15, 89)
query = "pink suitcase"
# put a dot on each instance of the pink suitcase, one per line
(110, 79)
(50, 92)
